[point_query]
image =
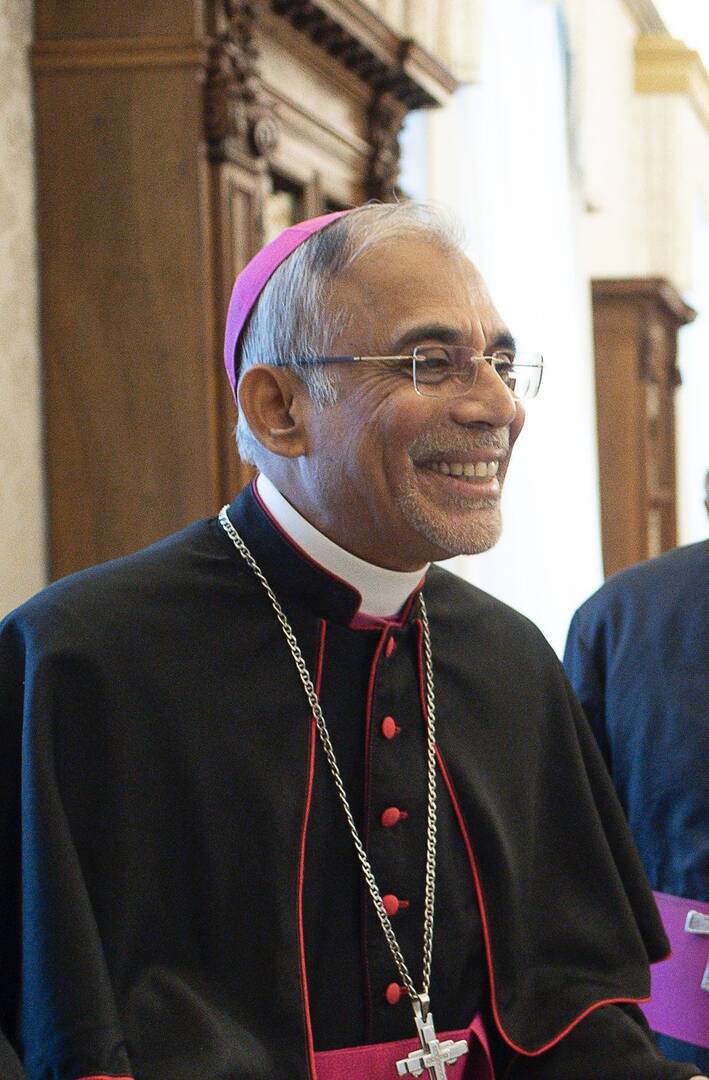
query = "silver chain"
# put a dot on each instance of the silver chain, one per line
(430, 886)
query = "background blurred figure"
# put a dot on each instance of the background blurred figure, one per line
(638, 657)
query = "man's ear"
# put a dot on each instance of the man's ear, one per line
(272, 400)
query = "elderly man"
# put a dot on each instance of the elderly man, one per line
(296, 804)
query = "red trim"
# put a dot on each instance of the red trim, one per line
(368, 725)
(301, 863)
(361, 621)
(422, 685)
(488, 944)
(366, 807)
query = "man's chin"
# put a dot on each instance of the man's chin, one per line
(476, 541)
(467, 534)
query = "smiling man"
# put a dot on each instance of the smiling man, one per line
(425, 468)
(296, 803)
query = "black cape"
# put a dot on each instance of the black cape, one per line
(179, 893)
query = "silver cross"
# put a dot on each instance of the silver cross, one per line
(433, 1055)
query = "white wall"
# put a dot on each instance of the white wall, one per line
(610, 165)
(22, 529)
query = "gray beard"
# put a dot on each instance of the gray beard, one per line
(479, 529)
(468, 538)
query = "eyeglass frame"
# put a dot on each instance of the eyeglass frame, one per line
(491, 360)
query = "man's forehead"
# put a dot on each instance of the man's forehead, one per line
(411, 287)
(414, 255)
(411, 266)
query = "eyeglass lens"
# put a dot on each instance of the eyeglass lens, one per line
(450, 371)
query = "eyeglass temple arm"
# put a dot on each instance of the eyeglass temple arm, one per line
(335, 359)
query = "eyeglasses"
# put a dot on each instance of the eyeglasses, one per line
(449, 371)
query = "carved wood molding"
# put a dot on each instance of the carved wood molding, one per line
(652, 297)
(358, 39)
(385, 117)
(240, 118)
(127, 52)
(658, 290)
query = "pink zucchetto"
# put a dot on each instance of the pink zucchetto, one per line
(250, 282)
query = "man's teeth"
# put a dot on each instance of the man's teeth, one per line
(469, 470)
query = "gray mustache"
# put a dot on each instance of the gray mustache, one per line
(448, 444)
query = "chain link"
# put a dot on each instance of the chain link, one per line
(430, 883)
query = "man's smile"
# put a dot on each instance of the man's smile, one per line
(465, 470)
(471, 473)
(462, 481)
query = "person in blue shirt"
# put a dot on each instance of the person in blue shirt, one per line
(637, 655)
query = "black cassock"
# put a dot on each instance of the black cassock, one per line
(180, 895)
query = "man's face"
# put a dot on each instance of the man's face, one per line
(379, 475)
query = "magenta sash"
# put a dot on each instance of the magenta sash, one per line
(378, 1062)
(678, 1005)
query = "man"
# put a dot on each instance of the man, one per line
(638, 657)
(284, 784)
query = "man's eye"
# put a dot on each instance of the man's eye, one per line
(432, 358)
(433, 364)
(503, 365)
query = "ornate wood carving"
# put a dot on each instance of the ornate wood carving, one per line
(351, 33)
(240, 119)
(386, 116)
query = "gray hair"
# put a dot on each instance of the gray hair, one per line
(291, 320)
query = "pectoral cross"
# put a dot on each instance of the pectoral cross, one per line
(433, 1055)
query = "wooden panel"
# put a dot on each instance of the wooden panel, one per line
(237, 194)
(620, 434)
(122, 309)
(96, 18)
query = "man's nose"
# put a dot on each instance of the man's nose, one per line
(488, 401)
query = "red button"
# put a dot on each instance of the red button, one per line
(392, 816)
(389, 727)
(394, 993)
(392, 904)
(391, 645)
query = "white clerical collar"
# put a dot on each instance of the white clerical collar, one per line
(383, 591)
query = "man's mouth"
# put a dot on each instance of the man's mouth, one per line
(471, 471)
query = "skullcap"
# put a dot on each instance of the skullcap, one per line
(252, 279)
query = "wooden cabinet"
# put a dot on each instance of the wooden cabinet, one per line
(635, 325)
(172, 141)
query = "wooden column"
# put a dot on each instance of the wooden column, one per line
(635, 325)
